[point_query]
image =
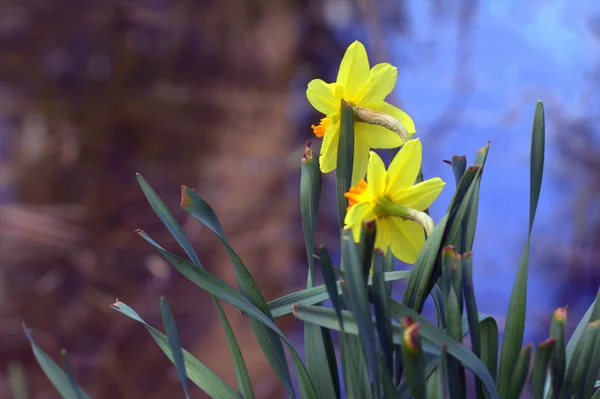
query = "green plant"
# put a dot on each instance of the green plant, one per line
(387, 348)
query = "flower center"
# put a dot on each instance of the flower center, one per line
(355, 193)
(320, 129)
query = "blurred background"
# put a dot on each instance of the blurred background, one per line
(210, 94)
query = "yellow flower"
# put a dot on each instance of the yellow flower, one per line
(391, 198)
(358, 85)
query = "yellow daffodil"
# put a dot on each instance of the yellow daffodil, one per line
(361, 86)
(394, 202)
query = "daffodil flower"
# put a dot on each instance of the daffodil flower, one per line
(392, 200)
(360, 86)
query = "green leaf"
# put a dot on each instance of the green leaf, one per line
(317, 359)
(174, 343)
(596, 395)
(241, 371)
(200, 375)
(459, 165)
(543, 355)
(520, 373)
(317, 362)
(515, 320)
(271, 345)
(56, 375)
(177, 232)
(590, 315)
(488, 334)
(354, 365)
(427, 267)
(330, 283)
(359, 304)
(218, 288)
(168, 220)
(472, 312)
(433, 339)
(310, 195)
(558, 360)
(414, 363)
(345, 159)
(69, 372)
(382, 317)
(284, 305)
(584, 366)
(17, 381)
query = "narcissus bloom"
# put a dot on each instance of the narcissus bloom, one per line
(359, 85)
(391, 199)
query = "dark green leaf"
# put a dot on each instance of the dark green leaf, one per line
(268, 340)
(488, 334)
(345, 159)
(359, 304)
(310, 195)
(241, 371)
(218, 288)
(515, 320)
(541, 361)
(520, 373)
(201, 375)
(382, 317)
(459, 165)
(284, 305)
(177, 232)
(433, 338)
(56, 375)
(174, 343)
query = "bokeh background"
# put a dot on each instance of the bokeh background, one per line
(211, 94)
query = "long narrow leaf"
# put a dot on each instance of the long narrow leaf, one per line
(174, 343)
(433, 338)
(241, 371)
(271, 345)
(199, 373)
(284, 305)
(218, 288)
(345, 159)
(177, 232)
(56, 375)
(515, 320)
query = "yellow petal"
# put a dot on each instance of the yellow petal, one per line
(322, 96)
(376, 175)
(378, 136)
(382, 234)
(420, 196)
(407, 238)
(405, 166)
(397, 113)
(382, 80)
(329, 148)
(358, 214)
(354, 72)
(361, 159)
